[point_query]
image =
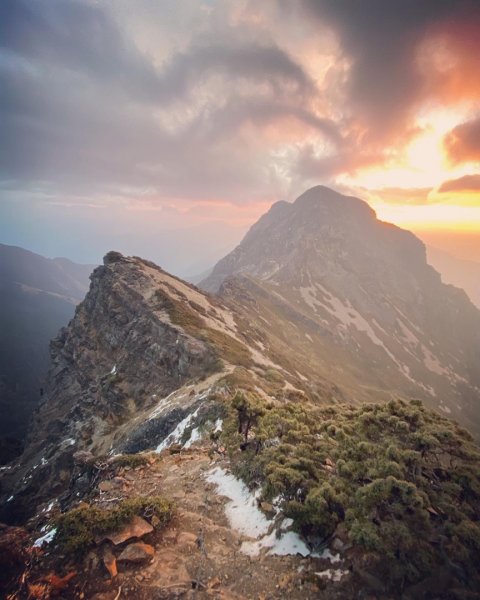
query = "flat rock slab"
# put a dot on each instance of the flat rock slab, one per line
(137, 553)
(137, 528)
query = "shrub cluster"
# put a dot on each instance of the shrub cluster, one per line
(79, 528)
(403, 481)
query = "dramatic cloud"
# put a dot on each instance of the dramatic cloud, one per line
(209, 110)
(382, 40)
(463, 142)
(467, 183)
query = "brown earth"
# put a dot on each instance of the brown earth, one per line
(196, 556)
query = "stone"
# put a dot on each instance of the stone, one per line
(82, 457)
(137, 528)
(105, 486)
(137, 553)
(187, 539)
(110, 562)
(268, 509)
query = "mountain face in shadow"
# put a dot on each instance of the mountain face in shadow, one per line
(353, 300)
(38, 297)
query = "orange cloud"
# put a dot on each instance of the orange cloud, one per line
(467, 183)
(462, 144)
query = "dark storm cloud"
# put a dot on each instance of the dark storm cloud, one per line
(381, 39)
(463, 142)
(467, 183)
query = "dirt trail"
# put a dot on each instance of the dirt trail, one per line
(197, 556)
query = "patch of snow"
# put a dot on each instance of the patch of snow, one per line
(49, 507)
(161, 405)
(114, 370)
(308, 295)
(242, 511)
(194, 437)
(218, 426)
(286, 544)
(245, 517)
(69, 442)
(332, 574)
(333, 558)
(45, 539)
(10, 498)
(43, 461)
(432, 363)
(177, 433)
(407, 334)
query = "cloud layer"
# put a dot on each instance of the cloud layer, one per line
(233, 102)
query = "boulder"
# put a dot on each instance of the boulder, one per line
(137, 553)
(137, 528)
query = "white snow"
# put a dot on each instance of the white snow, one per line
(432, 363)
(49, 507)
(284, 545)
(332, 574)
(45, 539)
(409, 336)
(245, 517)
(10, 498)
(177, 433)
(242, 511)
(194, 437)
(114, 370)
(218, 426)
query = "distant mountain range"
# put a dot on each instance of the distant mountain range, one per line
(38, 297)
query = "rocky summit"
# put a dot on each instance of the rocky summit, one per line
(353, 300)
(288, 430)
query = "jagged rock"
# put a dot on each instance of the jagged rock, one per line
(137, 528)
(106, 486)
(137, 553)
(82, 457)
(119, 356)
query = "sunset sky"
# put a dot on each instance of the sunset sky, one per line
(164, 128)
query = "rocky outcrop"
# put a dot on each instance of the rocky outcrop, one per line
(123, 353)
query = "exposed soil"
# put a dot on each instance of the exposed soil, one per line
(196, 556)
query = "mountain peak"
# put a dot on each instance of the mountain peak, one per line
(321, 197)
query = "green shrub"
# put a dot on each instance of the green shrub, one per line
(78, 528)
(404, 481)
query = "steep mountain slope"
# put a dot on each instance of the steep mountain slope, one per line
(464, 274)
(354, 301)
(38, 297)
(342, 501)
(139, 337)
